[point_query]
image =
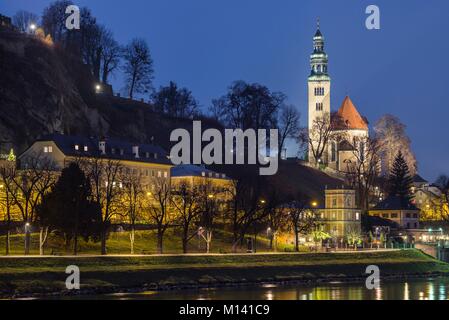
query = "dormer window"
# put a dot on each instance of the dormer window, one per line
(155, 156)
(86, 149)
(77, 147)
(122, 152)
(48, 149)
(147, 155)
(113, 150)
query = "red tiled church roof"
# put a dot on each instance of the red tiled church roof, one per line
(347, 117)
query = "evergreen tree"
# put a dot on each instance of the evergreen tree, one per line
(400, 180)
(68, 208)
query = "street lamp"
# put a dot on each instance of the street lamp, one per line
(33, 27)
(97, 88)
(211, 196)
(262, 201)
(314, 204)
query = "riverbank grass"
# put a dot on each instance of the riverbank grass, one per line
(24, 276)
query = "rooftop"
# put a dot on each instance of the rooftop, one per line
(394, 203)
(347, 117)
(78, 146)
(189, 170)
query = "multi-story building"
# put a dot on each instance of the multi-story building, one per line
(340, 215)
(405, 215)
(150, 160)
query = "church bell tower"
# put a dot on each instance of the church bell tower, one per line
(319, 87)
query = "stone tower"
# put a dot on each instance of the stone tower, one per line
(319, 87)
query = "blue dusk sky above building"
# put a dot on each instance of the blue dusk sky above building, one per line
(205, 45)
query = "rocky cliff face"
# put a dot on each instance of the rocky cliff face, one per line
(38, 94)
(44, 90)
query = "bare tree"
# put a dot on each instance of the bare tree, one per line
(138, 67)
(186, 204)
(302, 219)
(22, 20)
(393, 137)
(364, 172)
(32, 182)
(111, 54)
(157, 207)
(212, 202)
(105, 177)
(174, 101)
(318, 138)
(132, 201)
(53, 20)
(247, 208)
(288, 124)
(8, 192)
(248, 106)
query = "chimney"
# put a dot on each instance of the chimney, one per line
(136, 151)
(102, 146)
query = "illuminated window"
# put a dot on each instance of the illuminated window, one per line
(86, 149)
(165, 174)
(357, 216)
(159, 174)
(77, 147)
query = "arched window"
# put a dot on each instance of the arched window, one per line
(333, 152)
(319, 107)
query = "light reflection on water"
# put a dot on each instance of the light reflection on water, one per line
(416, 289)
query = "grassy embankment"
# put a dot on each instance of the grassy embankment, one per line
(23, 276)
(145, 243)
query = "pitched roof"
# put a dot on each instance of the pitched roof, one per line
(394, 203)
(115, 149)
(189, 170)
(347, 117)
(418, 179)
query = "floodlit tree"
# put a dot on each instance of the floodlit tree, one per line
(400, 181)
(105, 177)
(248, 106)
(353, 237)
(364, 172)
(132, 202)
(138, 67)
(32, 182)
(157, 206)
(186, 205)
(318, 138)
(23, 20)
(302, 220)
(174, 101)
(319, 236)
(212, 202)
(8, 192)
(392, 137)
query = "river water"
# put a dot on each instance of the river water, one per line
(416, 289)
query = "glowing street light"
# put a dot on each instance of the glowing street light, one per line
(314, 204)
(262, 201)
(97, 88)
(211, 196)
(33, 27)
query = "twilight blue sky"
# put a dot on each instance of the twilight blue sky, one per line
(206, 44)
